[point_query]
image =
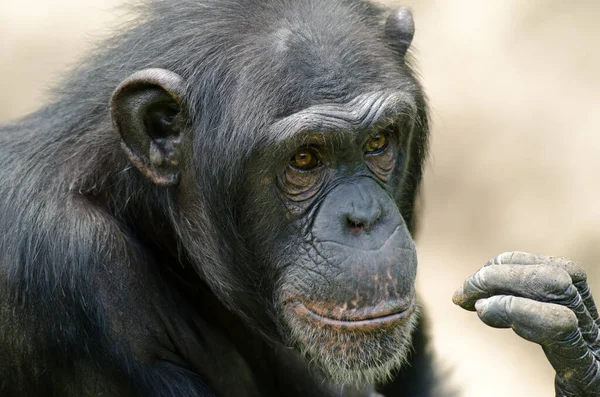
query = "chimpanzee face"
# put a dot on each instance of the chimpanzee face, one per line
(345, 260)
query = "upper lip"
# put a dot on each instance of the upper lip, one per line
(364, 318)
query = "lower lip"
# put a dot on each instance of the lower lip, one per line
(359, 325)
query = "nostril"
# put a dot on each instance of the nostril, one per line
(362, 220)
(355, 226)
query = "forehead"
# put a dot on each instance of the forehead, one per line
(318, 52)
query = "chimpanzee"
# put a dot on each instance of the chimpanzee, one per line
(219, 202)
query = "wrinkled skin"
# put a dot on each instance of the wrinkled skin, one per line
(545, 300)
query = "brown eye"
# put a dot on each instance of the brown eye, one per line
(376, 144)
(305, 160)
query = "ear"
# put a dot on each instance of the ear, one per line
(400, 29)
(147, 117)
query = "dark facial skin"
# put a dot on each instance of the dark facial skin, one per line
(345, 285)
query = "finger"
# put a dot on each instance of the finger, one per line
(576, 272)
(554, 327)
(539, 282)
(536, 282)
(535, 321)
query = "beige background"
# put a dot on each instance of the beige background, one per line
(514, 165)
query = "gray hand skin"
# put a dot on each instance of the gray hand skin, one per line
(545, 300)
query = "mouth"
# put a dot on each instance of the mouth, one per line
(363, 319)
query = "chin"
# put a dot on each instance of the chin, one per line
(351, 352)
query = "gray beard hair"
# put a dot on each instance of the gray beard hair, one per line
(350, 358)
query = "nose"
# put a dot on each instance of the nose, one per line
(360, 207)
(362, 215)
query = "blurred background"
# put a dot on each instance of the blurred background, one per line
(515, 156)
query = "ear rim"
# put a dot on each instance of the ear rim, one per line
(172, 84)
(400, 39)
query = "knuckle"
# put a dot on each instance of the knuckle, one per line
(552, 282)
(562, 320)
(575, 271)
(569, 320)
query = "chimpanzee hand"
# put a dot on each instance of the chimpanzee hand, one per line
(545, 300)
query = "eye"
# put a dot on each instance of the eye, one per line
(376, 144)
(305, 160)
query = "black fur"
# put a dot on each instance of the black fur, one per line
(106, 288)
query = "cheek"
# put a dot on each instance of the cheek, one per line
(261, 210)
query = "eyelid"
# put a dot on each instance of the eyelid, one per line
(305, 148)
(300, 170)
